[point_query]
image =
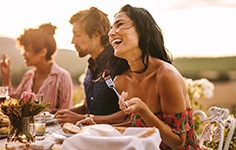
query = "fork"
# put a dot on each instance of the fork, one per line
(110, 84)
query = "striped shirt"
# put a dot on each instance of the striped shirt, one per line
(57, 88)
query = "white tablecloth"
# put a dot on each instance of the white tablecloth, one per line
(105, 137)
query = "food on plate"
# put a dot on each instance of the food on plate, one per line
(49, 117)
(146, 133)
(44, 114)
(71, 128)
(4, 123)
(4, 130)
(120, 129)
(47, 114)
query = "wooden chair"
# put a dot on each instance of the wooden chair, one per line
(218, 120)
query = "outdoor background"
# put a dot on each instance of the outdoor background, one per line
(199, 33)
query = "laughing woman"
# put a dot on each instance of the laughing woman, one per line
(154, 91)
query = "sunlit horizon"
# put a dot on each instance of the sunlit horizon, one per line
(190, 27)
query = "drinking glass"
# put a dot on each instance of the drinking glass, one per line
(40, 126)
(3, 93)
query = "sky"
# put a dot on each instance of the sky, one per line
(190, 27)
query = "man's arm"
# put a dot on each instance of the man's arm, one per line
(116, 119)
(71, 115)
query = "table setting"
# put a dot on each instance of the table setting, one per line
(102, 137)
(46, 140)
(24, 124)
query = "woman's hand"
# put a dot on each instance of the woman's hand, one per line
(5, 69)
(133, 105)
(5, 65)
(122, 99)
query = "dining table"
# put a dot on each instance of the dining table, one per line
(103, 137)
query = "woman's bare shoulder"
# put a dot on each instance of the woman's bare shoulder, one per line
(121, 80)
(168, 76)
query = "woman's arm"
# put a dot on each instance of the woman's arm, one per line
(65, 91)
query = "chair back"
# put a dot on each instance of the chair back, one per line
(218, 120)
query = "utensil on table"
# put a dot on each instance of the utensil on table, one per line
(87, 117)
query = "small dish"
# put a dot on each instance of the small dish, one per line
(42, 145)
(50, 120)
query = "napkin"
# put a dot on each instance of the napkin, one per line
(106, 137)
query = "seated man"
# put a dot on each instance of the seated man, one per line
(90, 29)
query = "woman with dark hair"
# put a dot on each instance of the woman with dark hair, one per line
(154, 92)
(47, 77)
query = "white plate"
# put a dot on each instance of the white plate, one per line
(50, 120)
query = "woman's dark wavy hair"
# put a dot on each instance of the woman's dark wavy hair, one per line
(151, 40)
(39, 38)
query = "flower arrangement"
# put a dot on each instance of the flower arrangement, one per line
(19, 110)
(198, 90)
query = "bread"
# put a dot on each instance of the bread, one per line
(4, 124)
(70, 128)
(120, 129)
(146, 133)
(4, 130)
(3, 115)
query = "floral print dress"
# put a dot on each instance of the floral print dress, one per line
(179, 122)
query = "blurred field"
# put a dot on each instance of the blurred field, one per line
(219, 68)
(224, 96)
(221, 71)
